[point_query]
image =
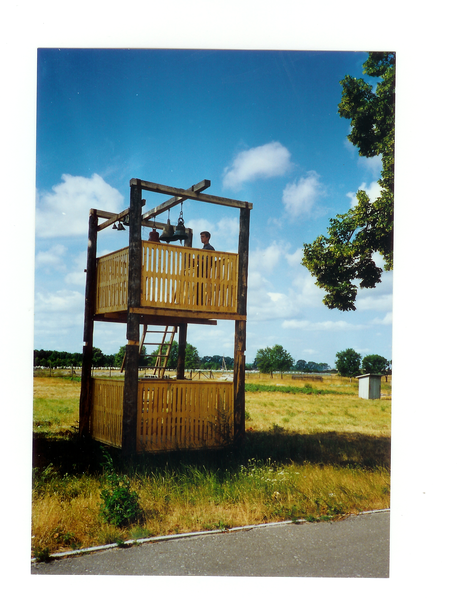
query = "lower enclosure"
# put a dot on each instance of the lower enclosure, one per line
(172, 414)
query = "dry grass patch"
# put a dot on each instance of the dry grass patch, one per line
(55, 404)
(306, 456)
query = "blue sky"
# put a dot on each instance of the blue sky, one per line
(263, 126)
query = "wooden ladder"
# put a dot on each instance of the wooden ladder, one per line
(164, 346)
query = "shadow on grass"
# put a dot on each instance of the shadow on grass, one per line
(69, 455)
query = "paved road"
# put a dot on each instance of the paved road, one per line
(355, 547)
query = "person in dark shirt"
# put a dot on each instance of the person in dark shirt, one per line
(205, 236)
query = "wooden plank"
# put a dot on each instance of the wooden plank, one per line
(180, 368)
(239, 408)
(113, 217)
(240, 327)
(198, 187)
(88, 335)
(243, 259)
(187, 315)
(121, 317)
(130, 404)
(187, 194)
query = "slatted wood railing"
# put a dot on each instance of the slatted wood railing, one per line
(106, 417)
(171, 277)
(112, 282)
(171, 414)
(184, 414)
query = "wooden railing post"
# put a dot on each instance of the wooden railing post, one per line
(240, 327)
(88, 336)
(129, 415)
(180, 369)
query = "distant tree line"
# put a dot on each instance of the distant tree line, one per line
(267, 360)
(349, 363)
(55, 358)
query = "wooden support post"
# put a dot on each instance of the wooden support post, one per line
(239, 379)
(240, 327)
(180, 369)
(129, 416)
(88, 336)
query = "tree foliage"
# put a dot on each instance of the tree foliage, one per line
(345, 256)
(348, 363)
(311, 366)
(273, 359)
(374, 363)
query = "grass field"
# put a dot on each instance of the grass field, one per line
(313, 450)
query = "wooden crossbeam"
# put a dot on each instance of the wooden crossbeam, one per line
(198, 187)
(112, 217)
(187, 194)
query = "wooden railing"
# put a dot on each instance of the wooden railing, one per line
(112, 282)
(171, 277)
(171, 414)
(184, 414)
(106, 417)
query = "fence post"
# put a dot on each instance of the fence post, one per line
(89, 311)
(129, 413)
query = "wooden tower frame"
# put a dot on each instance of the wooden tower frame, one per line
(136, 312)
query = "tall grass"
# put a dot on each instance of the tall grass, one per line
(305, 456)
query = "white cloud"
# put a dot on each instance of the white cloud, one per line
(65, 210)
(51, 259)
(373, 191)
(377, 298)
(299, 198)
(295, 258)
(372, 164)
(372, 301)
(265, 259)
(77, 277)
(62, 301)
(387, 320)
(59, 319)
(262, 162)
(321, 326)
(279, 287)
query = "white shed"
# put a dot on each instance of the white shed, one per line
(369, 386)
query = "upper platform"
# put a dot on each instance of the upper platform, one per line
(177, 284)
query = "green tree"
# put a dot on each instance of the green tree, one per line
(348, 363)
(97, 357)
(301, 365)
(346, 254)
(192, 357)
(374, 363)
(119, 357)
(273, 359)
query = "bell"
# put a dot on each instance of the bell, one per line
(180, 231)
(121, 227)
(154, 236)
(167, 233)
(114, 226)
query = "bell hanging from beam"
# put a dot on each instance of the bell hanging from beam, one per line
(154, 236)
(120, 227)
(180, 231)
(167, 233)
